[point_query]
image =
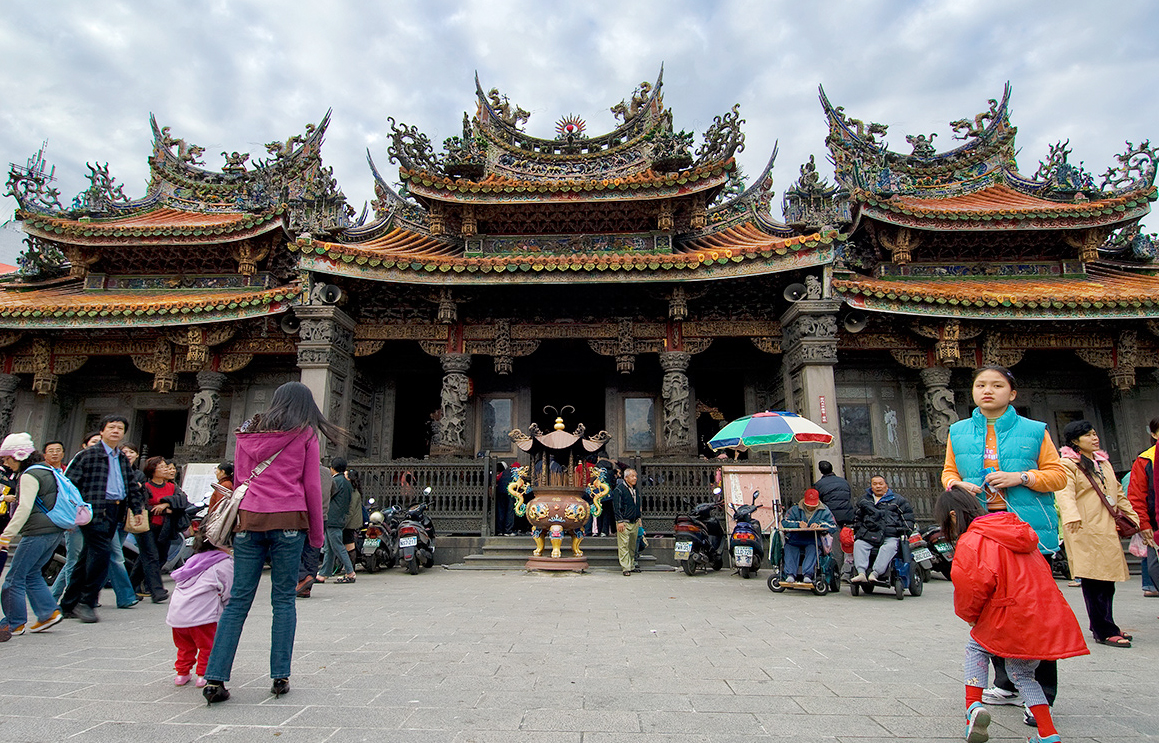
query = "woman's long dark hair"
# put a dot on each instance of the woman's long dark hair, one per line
(963, 505)
(34, 458)
(292, 409)
(355, 480)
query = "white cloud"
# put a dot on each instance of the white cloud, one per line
(232, 75)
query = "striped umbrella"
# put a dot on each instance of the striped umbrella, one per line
(771, 431)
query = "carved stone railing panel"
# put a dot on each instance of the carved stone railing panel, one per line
(919, 482)
(460, 491)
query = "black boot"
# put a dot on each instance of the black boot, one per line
(214, 692)
(280, 687)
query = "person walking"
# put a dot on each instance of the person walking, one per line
(105, 480)
(1004, 589)
(39, 538)
(1093, 547)
(335, 550)
(167, 504)
(201, 593)
(282, 505)
(73, 539)
(355, 516)
(1141, 493)
(626, 502)
(1010, 464)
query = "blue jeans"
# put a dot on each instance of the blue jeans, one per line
(122, 586)
(73, 541)
(335, 549)
(24, 580)
(793, 559)
(250, 550)
(1148, 562)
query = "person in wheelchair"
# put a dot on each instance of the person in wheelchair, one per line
(806, 513)
(881, 519)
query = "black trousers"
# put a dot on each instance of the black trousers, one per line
(92, 566)
(150, 557)
(1046, 675)
(1098, 596)
(308, 565)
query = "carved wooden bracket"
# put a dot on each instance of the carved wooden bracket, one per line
(911, 358)
(247, 254)
(46, 365)
(80, 259)
(901, 244)
(768, 345)
(8, 337)
(199, 339)
(1087, 242)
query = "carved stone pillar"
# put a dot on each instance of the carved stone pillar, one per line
(326, 358)
(452, 431)
(809, 342)
(202, 441)
(939, 404)
(8, 385)
(678, 437)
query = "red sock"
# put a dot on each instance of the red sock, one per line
(973, 694)
(1041, 714)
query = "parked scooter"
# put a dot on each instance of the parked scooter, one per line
(378, 545)
(700, 537)
(747, 543)
(416, 538)
(941, 548)
(923, 557)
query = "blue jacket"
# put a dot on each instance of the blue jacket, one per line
(798, 516)
(1019, 441)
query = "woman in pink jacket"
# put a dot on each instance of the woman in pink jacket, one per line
(282, 505)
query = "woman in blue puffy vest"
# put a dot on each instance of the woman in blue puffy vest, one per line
(1010, 464)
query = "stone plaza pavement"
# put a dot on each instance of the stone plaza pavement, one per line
(455, 655)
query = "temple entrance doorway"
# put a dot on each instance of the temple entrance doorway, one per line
(569, 373)
(416, 400)
(160, 431)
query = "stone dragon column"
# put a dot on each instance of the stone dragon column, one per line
(452, 431)
(939, 405)
(677, 428)
(8, 385)
(810, 348)
(202, 442)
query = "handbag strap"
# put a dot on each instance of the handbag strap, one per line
(1110, 509)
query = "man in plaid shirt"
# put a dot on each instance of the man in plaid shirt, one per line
(103, 477)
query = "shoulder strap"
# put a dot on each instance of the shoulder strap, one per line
(1098, 490)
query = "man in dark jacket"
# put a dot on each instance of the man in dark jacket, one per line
(835, 494)
(340, 494)
(103, 476)
(626, 502)
(881, 519)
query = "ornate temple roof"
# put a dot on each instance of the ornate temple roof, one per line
(977, 186)
(408, 257)
(158, 225)
(495, 161)
(72, 306)
(1106, 294)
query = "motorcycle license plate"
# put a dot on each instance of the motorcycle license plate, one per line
(921, 553)
(408, 541)
(683, 549)
(942, 547)
(369, 545)
(743, 556)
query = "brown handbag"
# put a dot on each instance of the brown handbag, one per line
(136, 523)
(1123, 523)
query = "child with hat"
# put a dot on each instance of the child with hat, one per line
(809, 512)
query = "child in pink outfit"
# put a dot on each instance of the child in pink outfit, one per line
(202, 592)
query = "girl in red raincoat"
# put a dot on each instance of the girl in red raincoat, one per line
(1004, 589)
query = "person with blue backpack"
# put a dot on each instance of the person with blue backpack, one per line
(41, 512)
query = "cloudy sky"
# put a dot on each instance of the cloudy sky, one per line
(233, 75)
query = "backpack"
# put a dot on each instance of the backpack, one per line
(70, 509)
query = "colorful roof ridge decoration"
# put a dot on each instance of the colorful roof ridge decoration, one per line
(1001, 207)
(71, 306)
(162, 224)
(400, 256)
(493, 151)
(1107, 294)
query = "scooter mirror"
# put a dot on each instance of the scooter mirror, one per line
(717, 491)
(427, 490)
(756, 494)
(370, 501)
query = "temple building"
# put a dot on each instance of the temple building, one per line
(631, 282)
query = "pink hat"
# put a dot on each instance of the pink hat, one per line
(18, 446)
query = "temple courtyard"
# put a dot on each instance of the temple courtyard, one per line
(460, 655)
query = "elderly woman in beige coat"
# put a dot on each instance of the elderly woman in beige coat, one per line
(1093, 547)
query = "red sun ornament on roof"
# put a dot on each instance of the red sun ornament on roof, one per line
(570, 126)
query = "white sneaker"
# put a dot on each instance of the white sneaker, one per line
(995, 695)
(789, 579)
(977, 724)
(807, 579)
(859, 578)
(873, 577)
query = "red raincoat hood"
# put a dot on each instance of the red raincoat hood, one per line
(1007, 530)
